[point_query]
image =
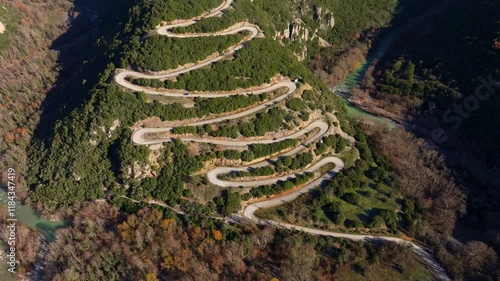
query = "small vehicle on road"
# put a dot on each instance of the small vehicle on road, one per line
(186, 94)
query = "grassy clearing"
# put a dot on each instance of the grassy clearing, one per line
(349, 156)
(382, 272)
(371, 200)
(203, 190)
(307, 210)
(9, 19)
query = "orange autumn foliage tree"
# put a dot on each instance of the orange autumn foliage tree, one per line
(166, 223)
(151, 277)
(177, 262)
(217, 235)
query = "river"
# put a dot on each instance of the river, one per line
(30, 218)
(344, 88)
(356, 77)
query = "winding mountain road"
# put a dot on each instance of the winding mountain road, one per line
(138, 137)
(212, 177)
(254, 30)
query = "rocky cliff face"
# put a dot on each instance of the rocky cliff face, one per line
(307, 23)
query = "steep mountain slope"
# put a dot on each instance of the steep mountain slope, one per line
(84, 148)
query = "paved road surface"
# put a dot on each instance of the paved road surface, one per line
(212, 177)
(138, 136)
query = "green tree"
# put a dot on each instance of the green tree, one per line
(228, 202)
(352, 198)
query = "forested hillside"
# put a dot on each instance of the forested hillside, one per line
(441, 77)
(337, 22)
(451, 85)
(83, 178)
(25, 55)
(33, 48)
(172, 248)
(152, 212)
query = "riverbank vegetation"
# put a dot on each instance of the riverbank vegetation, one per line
(28, 244)
(446, 79)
